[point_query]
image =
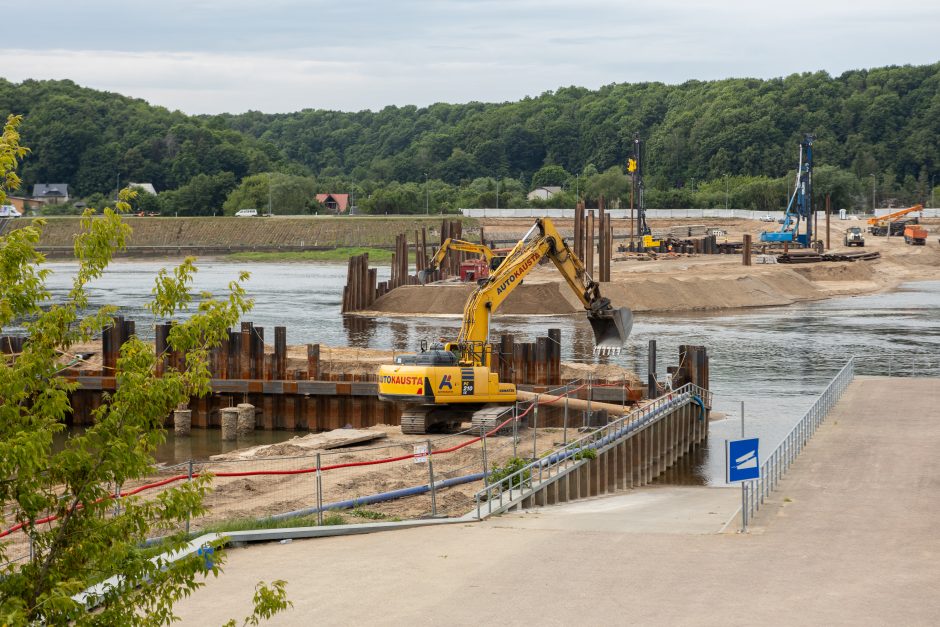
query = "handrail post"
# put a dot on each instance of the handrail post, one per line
(431, 478)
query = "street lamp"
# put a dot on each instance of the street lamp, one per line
(427, 195)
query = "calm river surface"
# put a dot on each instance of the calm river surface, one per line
(775, 360)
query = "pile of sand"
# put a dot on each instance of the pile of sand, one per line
(545, 298)
(676, 291)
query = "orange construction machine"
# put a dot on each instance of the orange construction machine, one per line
(891, 223)
(915, 235)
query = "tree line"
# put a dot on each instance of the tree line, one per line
(708, 144)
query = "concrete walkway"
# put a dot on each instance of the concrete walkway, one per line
(851, 538)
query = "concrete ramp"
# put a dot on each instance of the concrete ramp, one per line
(653, 509)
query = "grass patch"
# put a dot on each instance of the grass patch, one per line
(373, 515)
(376, 255)
(246, 524)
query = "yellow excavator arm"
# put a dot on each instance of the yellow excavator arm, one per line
(611, 326)
(454, 244)
(454, 382)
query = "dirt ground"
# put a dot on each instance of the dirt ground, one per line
(664, 284)
(698, 282)
(253, 497)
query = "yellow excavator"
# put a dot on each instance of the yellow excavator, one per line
(492, 260)
(452, 382)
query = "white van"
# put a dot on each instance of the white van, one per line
(9, 211)
(246, 213)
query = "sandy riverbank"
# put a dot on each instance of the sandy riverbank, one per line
(694, 283)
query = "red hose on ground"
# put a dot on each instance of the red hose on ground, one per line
(251, 473)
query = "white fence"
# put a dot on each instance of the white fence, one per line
(665, 214)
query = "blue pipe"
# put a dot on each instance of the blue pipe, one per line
(701, 404)
(378, 498)
(446, 483)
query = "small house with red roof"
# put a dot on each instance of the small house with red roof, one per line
(337, 203)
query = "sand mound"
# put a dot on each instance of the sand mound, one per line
(640, 292)
(527, 299)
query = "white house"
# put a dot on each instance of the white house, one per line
(52, 193)
(543, 193)
(147, 187)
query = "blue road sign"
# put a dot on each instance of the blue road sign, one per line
(743, 462)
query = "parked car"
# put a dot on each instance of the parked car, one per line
(767, 219)
(9, 211)
(246, 213)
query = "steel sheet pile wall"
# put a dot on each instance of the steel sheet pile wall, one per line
(585, 242)
(298, 393)
(693, 367)
(630, 462)
(452, 228)
(537, 363)
(362, 285)
(243, 371)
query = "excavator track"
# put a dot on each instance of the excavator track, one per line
(489, 417)
(422, 419)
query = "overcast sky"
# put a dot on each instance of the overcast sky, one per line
(210, 56)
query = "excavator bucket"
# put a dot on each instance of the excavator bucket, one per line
(611, 330)
(423, 276)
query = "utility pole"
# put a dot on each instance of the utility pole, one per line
(427, 195)
(726, 191)
(497, 192)
(270, 210)
(873, 194)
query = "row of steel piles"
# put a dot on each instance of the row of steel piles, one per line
(362, 285)
(536, 363)
(112, 338)
(693, 367)
(585, 238)
(241, 355)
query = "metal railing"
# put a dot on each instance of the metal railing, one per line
(774, 467)
(496, 496)
(778, 462)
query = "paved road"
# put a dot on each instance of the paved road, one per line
(850, 538)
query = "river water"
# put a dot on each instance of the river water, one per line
(775, 360)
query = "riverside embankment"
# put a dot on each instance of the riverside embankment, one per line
(167, 237)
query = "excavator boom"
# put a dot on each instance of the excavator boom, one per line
(454, 382)
(894, 216)
(453, 244)
(611, 326)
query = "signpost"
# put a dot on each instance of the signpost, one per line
(742, 464)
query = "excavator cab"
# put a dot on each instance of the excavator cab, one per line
(611, 329)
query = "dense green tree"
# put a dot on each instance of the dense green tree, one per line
(552, 175)
(203, 195)
(881, 121)
(612, 184)
(286, 193)
(61, 498)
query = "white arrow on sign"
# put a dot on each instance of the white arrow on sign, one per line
(748, 460)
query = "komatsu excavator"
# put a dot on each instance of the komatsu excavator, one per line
(492, 260)
(453, 382)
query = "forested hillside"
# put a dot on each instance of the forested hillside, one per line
(867, 120)
(706, 141)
